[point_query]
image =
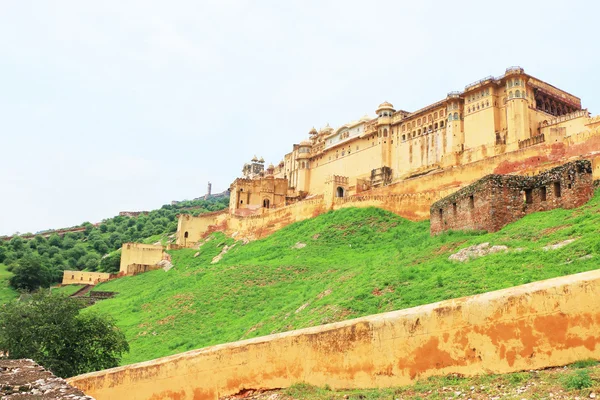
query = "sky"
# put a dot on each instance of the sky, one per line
(109, 106)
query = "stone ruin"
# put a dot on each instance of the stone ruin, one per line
(497, 200)
(24, 379)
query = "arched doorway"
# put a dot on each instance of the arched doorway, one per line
(185, 236)
(340, 192)
(266, 203)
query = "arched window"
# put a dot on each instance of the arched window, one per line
(340, 191)
(385, 133)
(518, 93)
(510, 95)
(303, 164)
(487, 103)
(517, 82)
(441, 124)
(435, 126)
(510, 83)
(456, 116)
(266, 203)
(419, 132)
(469, 109)
(403, 137)
(435, 115)
(449, 117)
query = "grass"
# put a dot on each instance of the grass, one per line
(66, 290)
(557, 383)
(6, 292)
(356, 262)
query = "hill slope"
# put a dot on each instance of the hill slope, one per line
(97, 247)
(355, 262)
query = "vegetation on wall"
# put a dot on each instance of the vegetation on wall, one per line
(340, 265)
(40, 261)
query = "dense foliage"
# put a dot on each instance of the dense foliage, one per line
(356, 262)
(40, 261)
(51, 330)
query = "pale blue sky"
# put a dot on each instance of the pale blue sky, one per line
(126, 105)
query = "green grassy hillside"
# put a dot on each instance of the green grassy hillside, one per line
(95, 249)
(6, 292)
(356, 262)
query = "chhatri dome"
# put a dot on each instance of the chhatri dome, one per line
(385, 106)
(313, 131)
(254, 159)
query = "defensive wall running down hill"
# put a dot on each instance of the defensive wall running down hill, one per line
(538, 325)
(497, 200)
(138, 257)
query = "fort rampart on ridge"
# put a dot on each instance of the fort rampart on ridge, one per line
(538, 325)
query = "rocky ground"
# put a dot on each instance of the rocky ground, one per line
(24, 380)
(578, 381)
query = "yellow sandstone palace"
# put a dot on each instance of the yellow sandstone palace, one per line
(404, 161)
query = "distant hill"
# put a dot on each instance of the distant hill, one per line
(95, 247)
(340, 265)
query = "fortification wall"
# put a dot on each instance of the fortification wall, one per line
(410, 198)
(258, 226)
(138, 253)
(413, 206)
(84, 277)
(538, 325)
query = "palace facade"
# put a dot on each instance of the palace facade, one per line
(405, 161)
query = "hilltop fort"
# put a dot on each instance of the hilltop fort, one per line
(405, 161)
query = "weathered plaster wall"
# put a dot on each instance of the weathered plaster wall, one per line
(84, 277)
(542, 324)
(138, 253)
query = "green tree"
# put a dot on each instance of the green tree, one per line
(111, 262)
(51, 330)
(30, 274)
(55, 240)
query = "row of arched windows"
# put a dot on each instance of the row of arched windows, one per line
(476, 96)
(454, 117)
(478, 106)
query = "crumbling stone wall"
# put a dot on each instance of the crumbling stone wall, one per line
(24, 379)
(497, 200)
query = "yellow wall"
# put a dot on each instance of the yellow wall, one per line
(138, 253)
(197, 227)
(521, 328)
(84, 278)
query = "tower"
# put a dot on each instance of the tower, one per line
(384, 132)
(517, 108)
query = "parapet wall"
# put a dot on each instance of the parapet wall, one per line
(85, 278)
(538, 325)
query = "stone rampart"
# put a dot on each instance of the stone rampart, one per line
(85, 277)
(538, 325)
(139, 257)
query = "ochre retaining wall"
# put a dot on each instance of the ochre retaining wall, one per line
(85, 277)
(139, 253)
(542, 324)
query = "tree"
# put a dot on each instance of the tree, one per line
(111, 262)
(30, 274)
(51, 330)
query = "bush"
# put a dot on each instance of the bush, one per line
(579, 380)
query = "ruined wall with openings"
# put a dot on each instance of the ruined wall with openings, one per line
(534, 326)
(497, 200)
